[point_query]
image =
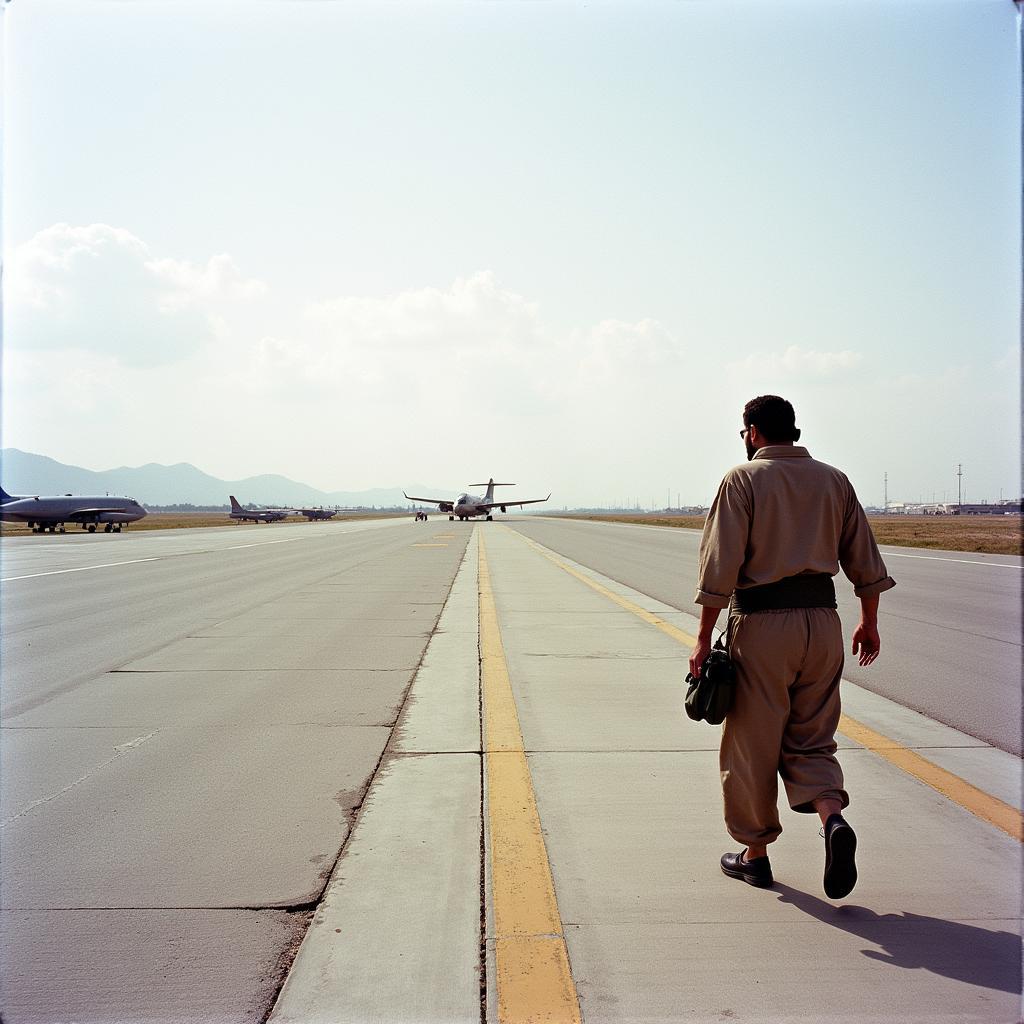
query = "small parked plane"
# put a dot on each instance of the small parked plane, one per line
(43, 513)
(466, 506)
(256, 515)
(319, 512)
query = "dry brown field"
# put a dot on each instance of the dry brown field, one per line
(994, 535)
(185, 520)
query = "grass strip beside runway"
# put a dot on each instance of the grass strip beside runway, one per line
(534, 977)
(994, 534)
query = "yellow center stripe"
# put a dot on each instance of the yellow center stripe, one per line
(534, 978)
(981, 804)
(659, 623)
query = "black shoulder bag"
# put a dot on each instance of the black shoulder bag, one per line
(709, 697)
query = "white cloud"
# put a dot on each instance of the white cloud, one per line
(473, 313)
(415, 352)
(449, 382)
(614, 351)
(353, 378)
(797, 361)
(185, 285)
(98, 289)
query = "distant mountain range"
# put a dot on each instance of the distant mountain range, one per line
(181, 484)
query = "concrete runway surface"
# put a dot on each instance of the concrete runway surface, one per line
(222, 747)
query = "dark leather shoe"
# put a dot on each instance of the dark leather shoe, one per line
(840, 849)
(754, 872)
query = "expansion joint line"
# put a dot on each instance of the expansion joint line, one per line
(534, 978)
(981, 804)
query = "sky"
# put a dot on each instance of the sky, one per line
(378, 244)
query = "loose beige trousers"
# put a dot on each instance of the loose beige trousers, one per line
(783, 718)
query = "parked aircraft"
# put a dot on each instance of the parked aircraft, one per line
(256, 515)
(51, 512)
(319, 513)
(466, 506)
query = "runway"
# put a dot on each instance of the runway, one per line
(189, 723)
(212, 739)
(77, 605)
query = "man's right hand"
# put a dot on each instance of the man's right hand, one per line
(866, 642)
(698, 656)
(705, 638)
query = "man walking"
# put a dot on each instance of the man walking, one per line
(780, 528)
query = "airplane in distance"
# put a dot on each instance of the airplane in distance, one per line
(44, 513)
(256, 515)
(319, 512)
(466, 506)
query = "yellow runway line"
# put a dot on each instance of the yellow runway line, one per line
(978, 802)
(981, 804)
(659, 623)
(534, 978)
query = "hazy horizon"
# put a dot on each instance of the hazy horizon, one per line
(639, 502)
(360, 245)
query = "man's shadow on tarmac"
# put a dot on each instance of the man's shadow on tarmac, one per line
(913, 942)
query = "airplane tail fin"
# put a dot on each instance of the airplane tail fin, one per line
(5, 497)
(235, 507)
(490, 485)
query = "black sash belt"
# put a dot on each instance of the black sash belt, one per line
(808, 590)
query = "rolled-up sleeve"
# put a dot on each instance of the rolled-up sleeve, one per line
(859, 555)
(723, 545)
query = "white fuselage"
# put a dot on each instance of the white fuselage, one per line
(71, 508)
(467, 506)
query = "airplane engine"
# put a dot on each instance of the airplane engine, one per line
(446, 506)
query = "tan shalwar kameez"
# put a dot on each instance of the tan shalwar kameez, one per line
(780, 515)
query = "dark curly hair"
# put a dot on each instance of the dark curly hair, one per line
(773, 416)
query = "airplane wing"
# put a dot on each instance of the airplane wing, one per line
(430, 501)
(510, 504)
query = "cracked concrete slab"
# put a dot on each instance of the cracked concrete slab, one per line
(143, 966)
(397, 936)
(267, 809)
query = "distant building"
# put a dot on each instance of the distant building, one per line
(1010, 507)
(952, 508)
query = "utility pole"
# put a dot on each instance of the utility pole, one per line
(885, 505)
(959, 491)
